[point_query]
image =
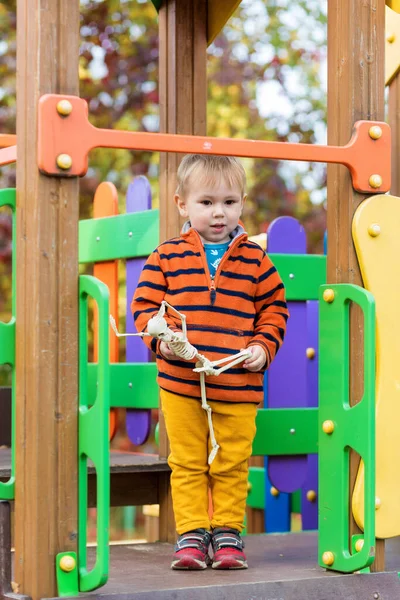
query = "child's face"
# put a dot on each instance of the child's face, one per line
(213, 210)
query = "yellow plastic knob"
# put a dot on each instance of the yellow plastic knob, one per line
(328, 295)
(311, 495)
(378, 503)
(249, 487)
(390, 38)
(328, 426)
(64, 108)
(374, 229)
(67, 563)
(375, 132)
(359, 545)
(375, 181)
(328, 558)
(64, 161)
(274, 491)
(310, 353)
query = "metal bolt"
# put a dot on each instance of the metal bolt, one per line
(274, 491)
(64, 161)
(328, 295)
(359, 544)
(376, 596)
(311, 495)
(291, 276)
(130, 384)
(375, 181)
(130, 234)
(98, 239)
(375, 132)
(310, 353)
(67, 563)
(64, 108)
(292, 431)
(328, 558)
(328, 426)
(374, 230)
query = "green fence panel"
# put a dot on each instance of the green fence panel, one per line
(93, 434)
(302, 274)
(286, 431)
(342, 428)
(256, 495)
(132, 385)
(123, 236)
(7, 345)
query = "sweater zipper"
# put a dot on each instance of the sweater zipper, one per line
(212, 285)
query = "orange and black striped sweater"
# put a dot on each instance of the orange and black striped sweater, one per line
(243, 305)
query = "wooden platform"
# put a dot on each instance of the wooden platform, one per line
(135, 478)
(281, 567)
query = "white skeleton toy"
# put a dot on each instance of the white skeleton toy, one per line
(157, 327)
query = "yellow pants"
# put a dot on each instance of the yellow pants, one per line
(192, 476)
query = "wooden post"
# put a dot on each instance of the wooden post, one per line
(183, 104)
(356, 84)
(47, 295)
(394, 122)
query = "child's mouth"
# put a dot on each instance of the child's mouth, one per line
(218, 227)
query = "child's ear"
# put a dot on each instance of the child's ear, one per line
(243, 201)
(181, 205)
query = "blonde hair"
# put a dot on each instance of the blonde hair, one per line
(210, 169)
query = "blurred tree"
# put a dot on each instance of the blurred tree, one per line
(266, 81)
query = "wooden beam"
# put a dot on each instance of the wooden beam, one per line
(394, 122)
(183, 104)
(356, 32)
(47, 293)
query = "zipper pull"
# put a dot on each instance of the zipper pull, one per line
(213, 292)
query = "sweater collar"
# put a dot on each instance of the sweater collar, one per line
(188, 232)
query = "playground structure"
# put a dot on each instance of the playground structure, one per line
(53, 133)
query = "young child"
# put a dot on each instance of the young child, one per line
(233, 298)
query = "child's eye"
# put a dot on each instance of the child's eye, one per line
(230, 202)
(206, 202)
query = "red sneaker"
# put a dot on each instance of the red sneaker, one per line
(191, 550)
(228, 549)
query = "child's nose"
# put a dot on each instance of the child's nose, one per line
(218, 210)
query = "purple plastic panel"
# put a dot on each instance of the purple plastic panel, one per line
(309, 508)
(287, 386)
(138, 422)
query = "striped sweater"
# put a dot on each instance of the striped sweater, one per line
(243, 305)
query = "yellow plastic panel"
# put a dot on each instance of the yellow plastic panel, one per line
(377, 240)
(392, 44)
(394, 5)
(219, 12)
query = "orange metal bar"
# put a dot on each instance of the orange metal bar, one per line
(105, 204)
(7, 140)
(74, 136)
(8, 155)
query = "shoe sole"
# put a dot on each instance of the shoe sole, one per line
(188, 564)
(229, 565)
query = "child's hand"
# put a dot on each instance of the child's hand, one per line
(167, 352)
(257, 359)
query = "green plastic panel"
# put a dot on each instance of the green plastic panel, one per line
(256, 496)
(67, 581)
(7, 345)
(354, 427)
(93, 435)
(123, 236)
(286, 431)
(132, 385)
(302, 274)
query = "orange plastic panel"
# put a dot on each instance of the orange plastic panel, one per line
(105, 204)
(7, 140)
(74, 136)
(8, 155)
